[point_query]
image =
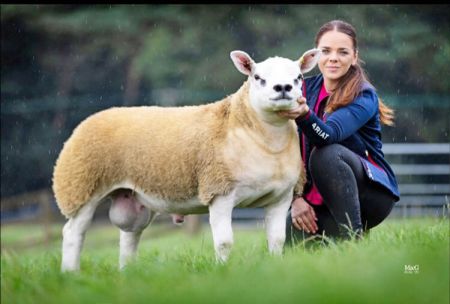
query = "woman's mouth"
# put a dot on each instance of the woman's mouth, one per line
(332, 68)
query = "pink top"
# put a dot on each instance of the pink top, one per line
(314, 196)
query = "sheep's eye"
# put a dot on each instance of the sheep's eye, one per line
(263, 81)
(300, 77)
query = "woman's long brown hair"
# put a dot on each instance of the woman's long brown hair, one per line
(349, 86)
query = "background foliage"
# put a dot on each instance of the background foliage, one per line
(61, 63)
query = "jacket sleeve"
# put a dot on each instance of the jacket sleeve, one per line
(342, 123)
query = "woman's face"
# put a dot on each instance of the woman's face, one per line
(338, 55)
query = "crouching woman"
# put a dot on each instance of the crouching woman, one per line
(350, 187)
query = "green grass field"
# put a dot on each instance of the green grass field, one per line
(178, 268)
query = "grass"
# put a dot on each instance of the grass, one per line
(178, 268)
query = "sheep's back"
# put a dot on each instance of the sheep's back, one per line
(159, 150)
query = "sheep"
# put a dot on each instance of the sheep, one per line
(235, 152)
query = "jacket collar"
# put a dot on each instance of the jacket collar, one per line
(313, 86)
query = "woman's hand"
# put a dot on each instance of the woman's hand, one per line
(303, 216)
(299, 111)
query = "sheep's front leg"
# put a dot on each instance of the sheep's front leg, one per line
(220, 212)
(275, 219)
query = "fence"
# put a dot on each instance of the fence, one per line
(423, 172)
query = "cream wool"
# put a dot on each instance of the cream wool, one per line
(169, 152)
(174, 153)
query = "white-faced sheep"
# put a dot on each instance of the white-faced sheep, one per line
(236, 152)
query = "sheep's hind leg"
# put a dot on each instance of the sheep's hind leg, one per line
(132, 218)
(73, 236)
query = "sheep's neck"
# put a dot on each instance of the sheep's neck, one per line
(272, 138)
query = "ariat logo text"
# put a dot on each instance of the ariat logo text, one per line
(319, 131)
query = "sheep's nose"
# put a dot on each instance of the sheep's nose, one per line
(281, 88)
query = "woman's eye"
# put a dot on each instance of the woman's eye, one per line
(325, 51)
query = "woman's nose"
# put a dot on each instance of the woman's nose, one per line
(333, 57)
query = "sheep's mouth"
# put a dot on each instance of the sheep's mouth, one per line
(282, 96)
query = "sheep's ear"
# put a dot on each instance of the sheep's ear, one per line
(309, 60)
(243, 62)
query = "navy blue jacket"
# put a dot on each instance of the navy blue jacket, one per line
(356, 126)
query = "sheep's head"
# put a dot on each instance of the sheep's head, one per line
(276, 83)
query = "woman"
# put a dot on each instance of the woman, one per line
(350, 187)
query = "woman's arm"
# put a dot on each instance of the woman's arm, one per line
(340, 124)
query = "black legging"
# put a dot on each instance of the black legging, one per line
(352, 203)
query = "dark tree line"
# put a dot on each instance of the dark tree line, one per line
(61, 63)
